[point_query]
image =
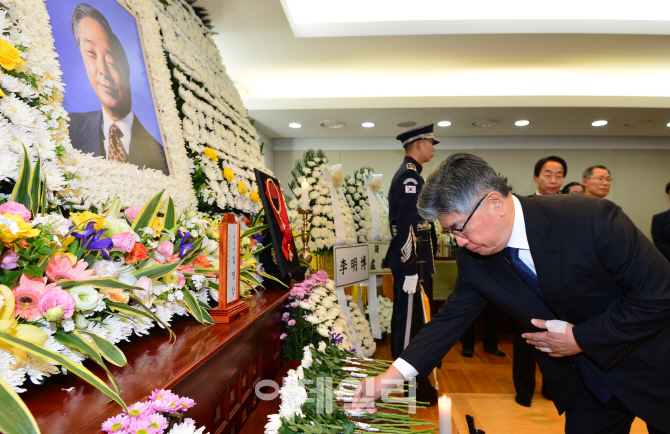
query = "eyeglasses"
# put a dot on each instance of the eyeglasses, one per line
(459, 232)
(603, 178)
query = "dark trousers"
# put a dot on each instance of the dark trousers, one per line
(523, 368)
(490, 323)
(586, 415)
(399, 315)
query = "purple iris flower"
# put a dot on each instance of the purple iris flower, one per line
(184, 245)
(90, 239)
(258, 237)
(336, 338)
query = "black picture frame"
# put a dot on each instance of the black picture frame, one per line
(287, 269)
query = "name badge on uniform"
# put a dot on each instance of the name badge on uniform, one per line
(410, 189)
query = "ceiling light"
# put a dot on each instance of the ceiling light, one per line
(368, 124)
(443, 124)
(406, 124)
(668, 125)
(332, 124)
(600, 123)
(521, 123)
(295, 125)
(483, 123)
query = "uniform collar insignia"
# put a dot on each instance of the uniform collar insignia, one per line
(411, 166)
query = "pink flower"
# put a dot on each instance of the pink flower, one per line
(132, 212)
(147, 284)
(8, 260)
(159, 393)
(124, 242)
(60, 267)
(30, 291)
(166, 248)
(181, 281)
(166, 404)
(157, 421)
(185, 403)
(141, 426)
(139, 409)
(116, 424)
(11, 207)
(57, 297)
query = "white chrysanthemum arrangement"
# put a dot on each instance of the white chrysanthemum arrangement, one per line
(322, 221)
(362, 328)
(31, 95)
(221, 141)
(356, 191)
(385, 309)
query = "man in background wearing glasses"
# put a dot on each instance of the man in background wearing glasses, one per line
(597, 181)
(572, 259)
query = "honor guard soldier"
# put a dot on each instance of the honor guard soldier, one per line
(406, 228)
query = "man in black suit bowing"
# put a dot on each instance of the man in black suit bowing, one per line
(114, 132)
(575, 259)
(660, 229)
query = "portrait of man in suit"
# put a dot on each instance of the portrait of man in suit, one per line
(591, 291)
(114, 131)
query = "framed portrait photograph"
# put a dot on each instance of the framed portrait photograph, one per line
(108, 91)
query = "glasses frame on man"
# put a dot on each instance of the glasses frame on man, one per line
(459, 232)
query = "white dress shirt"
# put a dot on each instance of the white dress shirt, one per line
(125, 125)
(518, 240)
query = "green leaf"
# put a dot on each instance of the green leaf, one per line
(98, 282)
(71, 366)
(108, 350)
(268, 276)
(33, 270)
(257, 218)
(254, 230)
(77, 342)
(21, 191)
(15, 418)
(34, 188)
(192, 305)
(156, 271)
(155, 318)
(206, 317)
(203, 304)
(170, 215)
(148, 213)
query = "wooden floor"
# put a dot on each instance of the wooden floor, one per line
(482, 386)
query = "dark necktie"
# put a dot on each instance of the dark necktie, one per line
(115, 151)
(591, 381)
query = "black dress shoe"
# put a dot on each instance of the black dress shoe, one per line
(522, 401)
(467, 353)
(497, 352)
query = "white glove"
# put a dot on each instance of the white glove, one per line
(554, 326)
(409, 285)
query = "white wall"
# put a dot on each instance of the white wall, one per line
(268, 150)
(640, 167)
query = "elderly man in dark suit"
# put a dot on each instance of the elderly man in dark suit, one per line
(114, 131)
(575, 260)
(660, 229)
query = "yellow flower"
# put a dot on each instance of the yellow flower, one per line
(25, 230)
(87, 216)
(9, 325)
(157, 226)
(241, 188)
(228, 174)
(211, 154)
(9, 56)
(254, 197)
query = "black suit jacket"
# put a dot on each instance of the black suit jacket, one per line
(660, 232)
(87, 136)
(598, 272)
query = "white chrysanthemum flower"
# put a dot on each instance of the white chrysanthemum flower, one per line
(12, 376)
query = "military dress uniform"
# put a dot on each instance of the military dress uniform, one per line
(402, 258)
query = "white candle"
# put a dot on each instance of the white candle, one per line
(305, 194)
(445, 415)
